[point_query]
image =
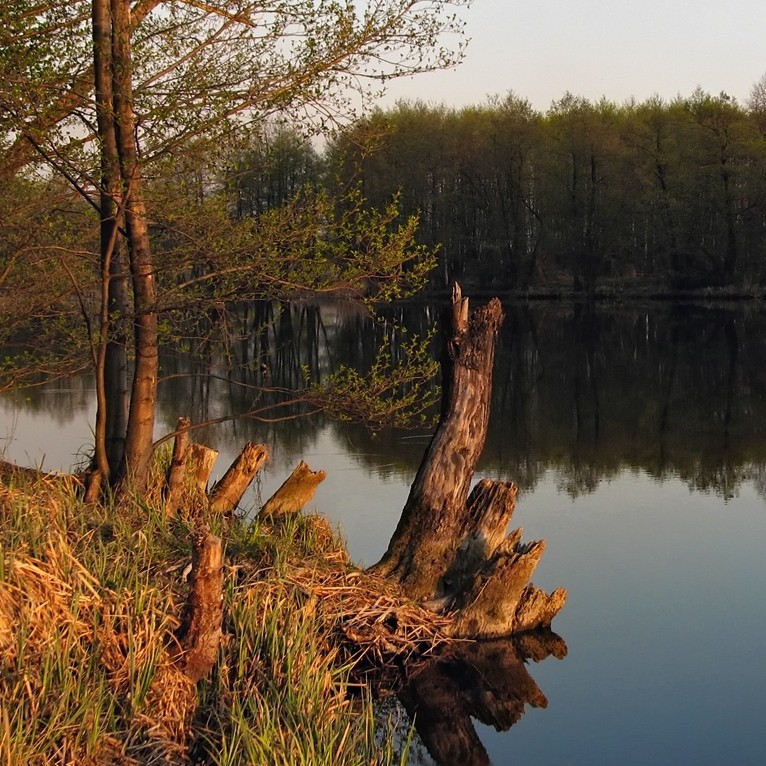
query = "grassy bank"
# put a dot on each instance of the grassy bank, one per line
(89, 600)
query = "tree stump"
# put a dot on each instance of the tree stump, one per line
(451, 550)
(295, 492)
(200, 632)
(201, 460)
(226, 494)
(175, 477)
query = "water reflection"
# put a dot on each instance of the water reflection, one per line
(581, 390)
(486, 681)
(589, 391)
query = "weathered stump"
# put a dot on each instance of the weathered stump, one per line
(226, 494)
(200, 632)
(451, 550)
(200, 462)
(295, 492)
(176, 473)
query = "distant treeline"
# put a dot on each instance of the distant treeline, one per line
(651, 195)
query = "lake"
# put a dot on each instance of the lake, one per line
(637, 436)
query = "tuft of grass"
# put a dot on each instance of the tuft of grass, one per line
(89, 602)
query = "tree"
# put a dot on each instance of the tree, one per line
(717, 147)
(166, 76)
(273, 170)
(756, 104)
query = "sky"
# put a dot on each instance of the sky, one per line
(540, 49)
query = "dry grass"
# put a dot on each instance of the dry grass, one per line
(86, 677)
(89, 600)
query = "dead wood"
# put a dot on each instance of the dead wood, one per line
(200, 632)
(294, 494)
(226, 494)
(176, 473)
(201, 460)
(451, 550)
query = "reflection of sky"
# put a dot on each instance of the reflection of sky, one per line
(664, 626)
(47, 427)
(665, 617)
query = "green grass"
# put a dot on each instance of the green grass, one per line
(89, 600)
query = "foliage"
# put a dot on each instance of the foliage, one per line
(653, 195)
(208, 70)
(122, 100)
(45, 259)
(391, 394)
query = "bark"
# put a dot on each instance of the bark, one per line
(200, 633)
(111, 357)
(227, 493)
(294, 493)
(424, 545)
(94, 482)
(176, 475)
(143, 395)
(200, 461)
(487, 681)
(451, 550)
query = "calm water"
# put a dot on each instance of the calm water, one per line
(638, 438)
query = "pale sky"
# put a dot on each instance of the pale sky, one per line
(615, 48)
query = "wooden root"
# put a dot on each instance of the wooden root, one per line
(294, 494)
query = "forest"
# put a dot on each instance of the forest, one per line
(651, 198)
(657, 195)
(657, 198)
(651, 195)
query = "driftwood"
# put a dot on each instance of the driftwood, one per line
(226, 494)
(295, 492)
(200, 632)
(451, 550)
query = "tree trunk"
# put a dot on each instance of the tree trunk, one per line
(423, 546)
(295, 492)
(143, 395)
(450, 549)
(111, 352)
(176, 475)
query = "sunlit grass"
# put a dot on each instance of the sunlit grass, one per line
(89, 601)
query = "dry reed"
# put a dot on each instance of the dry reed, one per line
(88, 606)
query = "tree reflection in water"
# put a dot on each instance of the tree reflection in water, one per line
(488, 681)
(584, 390)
